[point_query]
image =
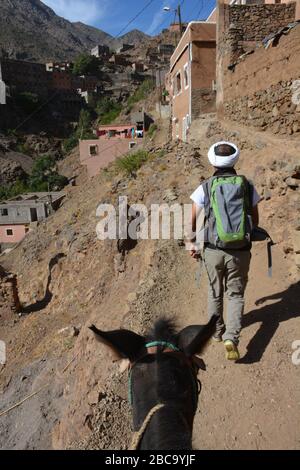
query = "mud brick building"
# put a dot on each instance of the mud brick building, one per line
(258, 65)
(21, 76)
(190, 82)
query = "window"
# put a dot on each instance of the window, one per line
(178, 83)
(3, 212)
(9, 232)
(33, 215)
(93, 150)
(186, 76)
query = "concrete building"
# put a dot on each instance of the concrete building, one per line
(18, 213)
(2, 92)
(191, 79)
(141, 120)
(101, 52)
(166, 50)
(125, 48)
(99, 153)
(60, 66)
(2, 89)
(119, 59)
(138, 67)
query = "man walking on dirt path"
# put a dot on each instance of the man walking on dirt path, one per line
(230, 205)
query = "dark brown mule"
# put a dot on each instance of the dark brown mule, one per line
(163, 385)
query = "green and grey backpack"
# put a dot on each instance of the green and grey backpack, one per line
(228, 208)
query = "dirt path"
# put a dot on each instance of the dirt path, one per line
(253, 404)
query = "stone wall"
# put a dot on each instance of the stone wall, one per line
(257, 86)
(203, 102)
(9, 298)
(263, 89)
(247, 25)
(270, 109)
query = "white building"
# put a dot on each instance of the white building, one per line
(2, 89)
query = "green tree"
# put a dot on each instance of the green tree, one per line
(84, 129)
(86, 64)
(44, 175)
(142, 92)
(108, 110)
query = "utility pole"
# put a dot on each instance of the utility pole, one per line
(180, 19)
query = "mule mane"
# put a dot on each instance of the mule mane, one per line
(164, 330)
(170, 427)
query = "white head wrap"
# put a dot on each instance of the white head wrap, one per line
(223, 162)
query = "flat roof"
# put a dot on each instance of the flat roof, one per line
(117, 126)
(206, 32)
(23, 199)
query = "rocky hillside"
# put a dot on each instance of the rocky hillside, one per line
(68, 279)
(30, 30)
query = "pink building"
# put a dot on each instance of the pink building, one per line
(99, 153)
(11, 234)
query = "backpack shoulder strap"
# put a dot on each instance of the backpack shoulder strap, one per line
(249, 192)
(207, 193)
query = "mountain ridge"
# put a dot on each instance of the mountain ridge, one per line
(30, 30)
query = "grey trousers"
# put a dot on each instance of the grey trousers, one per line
(227, 273)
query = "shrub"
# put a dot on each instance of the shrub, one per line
(86, 64)
(24, 148)
(44, 175)
(152, 130)
(108, 110)
(70, 143)
(130, 163)
(141, 93)
(83, 131)
(19, 187)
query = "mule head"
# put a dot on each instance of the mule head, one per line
(126, 344)
(163, 371)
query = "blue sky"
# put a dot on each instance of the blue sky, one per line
(113, 15)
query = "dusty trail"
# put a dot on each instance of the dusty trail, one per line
(253, 404)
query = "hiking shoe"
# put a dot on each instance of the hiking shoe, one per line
(232, 352)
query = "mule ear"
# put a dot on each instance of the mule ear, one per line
(193, 339)
(124, 343)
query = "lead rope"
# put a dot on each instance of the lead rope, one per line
(137, 436)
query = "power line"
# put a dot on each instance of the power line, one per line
(37, 110)
(168, 19)
(132, 20)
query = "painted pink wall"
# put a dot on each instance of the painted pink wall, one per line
(18, 233)
(108, 152)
